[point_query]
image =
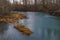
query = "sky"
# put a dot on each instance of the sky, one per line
(11, 1)
(20, 1)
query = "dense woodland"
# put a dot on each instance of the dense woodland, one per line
(49, 6)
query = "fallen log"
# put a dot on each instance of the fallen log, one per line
(24, 30)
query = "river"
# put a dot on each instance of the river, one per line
(43, 26)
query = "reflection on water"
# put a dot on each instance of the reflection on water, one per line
(45, 27)
(3, 27)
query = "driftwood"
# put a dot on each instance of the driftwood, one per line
(24, 30)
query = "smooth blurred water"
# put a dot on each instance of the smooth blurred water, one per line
(44, 26)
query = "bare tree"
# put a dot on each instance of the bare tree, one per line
(4, 7)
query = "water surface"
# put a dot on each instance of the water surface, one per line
(44, 26)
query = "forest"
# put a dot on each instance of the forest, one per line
(48, 6)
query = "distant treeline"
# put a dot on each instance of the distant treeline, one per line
(49, 6)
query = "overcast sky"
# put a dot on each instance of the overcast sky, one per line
(20, 1)
(14, 0)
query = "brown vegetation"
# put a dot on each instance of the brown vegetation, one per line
(12, 18)
(18, 16)
(23, 29)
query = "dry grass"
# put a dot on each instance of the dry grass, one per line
(12, 18)
(18, 16)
